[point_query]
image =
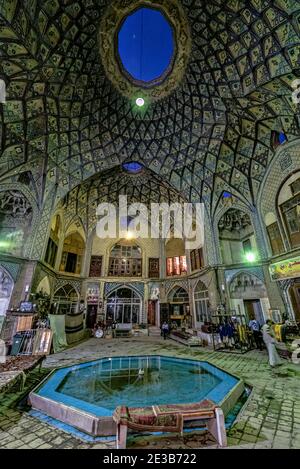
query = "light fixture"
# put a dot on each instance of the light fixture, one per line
(129, 235)
(4, 244)
(250, 256)
(140, 102)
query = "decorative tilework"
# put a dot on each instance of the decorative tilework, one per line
(111, 286)
(256, 271)
(12, 268)
(211, 134)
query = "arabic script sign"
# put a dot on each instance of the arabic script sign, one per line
(289, 268)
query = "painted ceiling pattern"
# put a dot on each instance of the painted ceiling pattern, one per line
(64, 121)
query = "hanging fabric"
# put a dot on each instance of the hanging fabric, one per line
(58, 327)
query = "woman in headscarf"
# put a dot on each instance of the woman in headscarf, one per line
(270, 341)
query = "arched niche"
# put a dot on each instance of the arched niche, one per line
(179, 307)
(16, 216)
(72, 255)
(201, 302)
(6, 289)
(65, 300)
(53, 241)
(178, 295)
(176, 257)
(288, 208)
(236, 236)
(125, 259)
(274, 234)
(124, 305)
(44, 286)
(248, 296)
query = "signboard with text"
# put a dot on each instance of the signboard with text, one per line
(289, 268)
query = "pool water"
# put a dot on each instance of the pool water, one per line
(143, 382)
(99, 387)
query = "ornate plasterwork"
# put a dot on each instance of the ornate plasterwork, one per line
(60, 282)
(64, 121)
(257, 272)
(139, 287)
(109, 28)
(6, 284)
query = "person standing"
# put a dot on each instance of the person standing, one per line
(113, 328)
(269, 340)
(254, 326)
(165, 329)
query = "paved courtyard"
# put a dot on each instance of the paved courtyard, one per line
(271, 418)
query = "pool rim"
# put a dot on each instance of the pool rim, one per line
(97, 425)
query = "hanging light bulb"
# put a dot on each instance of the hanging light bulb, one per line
(129, 235)
(250, 256)
(140, 102)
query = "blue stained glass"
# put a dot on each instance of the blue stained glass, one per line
(132, 167)
(146, 44)
(226, 195)
(282, 138)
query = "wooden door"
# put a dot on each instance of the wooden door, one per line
(151, 312)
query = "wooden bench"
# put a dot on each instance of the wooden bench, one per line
(123, 330)
(169, 419)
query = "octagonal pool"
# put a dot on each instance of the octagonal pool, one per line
(86, 395)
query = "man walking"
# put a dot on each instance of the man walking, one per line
(165, 329)
(254, 326)
(270, 341)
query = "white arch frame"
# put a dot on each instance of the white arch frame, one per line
(5, 301)
(124, 303)
(48, 285)
(205, 300)
(173, 290)
(73, 306)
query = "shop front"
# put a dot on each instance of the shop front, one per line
(124, 306)
(179, 308)
(65, 301)
(249, 297)
(153, 305)
(288, 272)
(294, 293)
(201, 305)
(67, 312)
(92, 305)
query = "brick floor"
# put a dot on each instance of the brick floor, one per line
(271, 418)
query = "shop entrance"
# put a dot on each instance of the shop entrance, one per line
(152, 313)
(254, 310)
(294, 292)
(91, 316)
(201, 302)
(249, 297)
(179, 308)
(65, 301)
(124, 306)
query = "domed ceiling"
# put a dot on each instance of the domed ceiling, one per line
(146, 187)
(64, 120)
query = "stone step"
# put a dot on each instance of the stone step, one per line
(154, 332)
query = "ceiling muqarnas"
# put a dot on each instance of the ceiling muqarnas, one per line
(64, 120)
